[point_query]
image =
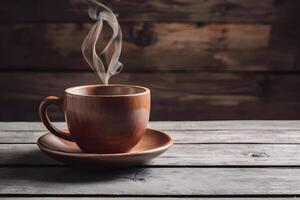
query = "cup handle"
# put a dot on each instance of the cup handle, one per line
(52, 100)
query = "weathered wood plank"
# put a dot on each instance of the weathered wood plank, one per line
(182, 96)
(258, 136)
(146, 10)
(180, 155)
(147, 47)
(234, 136)
(232, 125)
(150, 181)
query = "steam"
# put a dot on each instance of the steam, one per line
(115, 43)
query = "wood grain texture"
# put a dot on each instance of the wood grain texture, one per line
(145, 10)
(147, 47)
(184, 155)
(48, 178)
(175, 96)
(150, 181)
(165, 37)
(168, 40)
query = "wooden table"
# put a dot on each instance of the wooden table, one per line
(209, 159)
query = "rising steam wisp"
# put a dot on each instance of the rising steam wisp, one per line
(111, 62)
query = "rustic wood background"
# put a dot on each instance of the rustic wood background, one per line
(202, 59)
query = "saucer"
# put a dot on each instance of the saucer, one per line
(152, 144)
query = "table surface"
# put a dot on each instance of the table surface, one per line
(221, 159)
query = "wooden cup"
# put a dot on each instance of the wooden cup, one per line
(101, 119)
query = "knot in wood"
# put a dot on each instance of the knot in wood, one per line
(142, 34)
(258, 155)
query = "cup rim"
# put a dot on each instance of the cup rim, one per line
(145, 90)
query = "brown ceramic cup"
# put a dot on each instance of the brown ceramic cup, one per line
(101, 119)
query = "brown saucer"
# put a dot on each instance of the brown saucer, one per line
(152, 144)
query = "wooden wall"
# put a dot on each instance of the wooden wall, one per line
(202, 59)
